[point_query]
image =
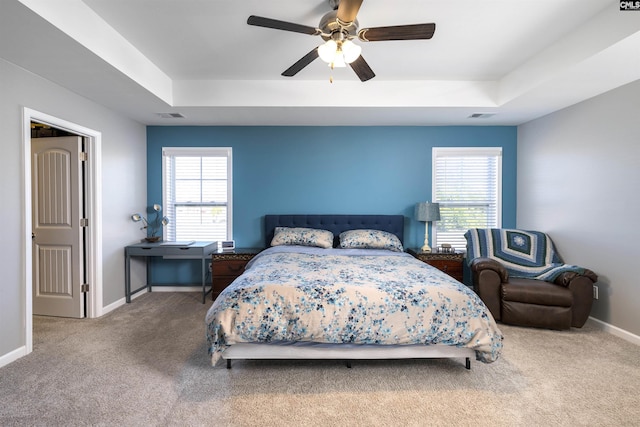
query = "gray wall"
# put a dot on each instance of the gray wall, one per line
(578, 177)
(123, 177)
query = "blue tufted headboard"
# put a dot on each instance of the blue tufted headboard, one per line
(335, 223)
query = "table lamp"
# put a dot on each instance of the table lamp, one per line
(427, 212)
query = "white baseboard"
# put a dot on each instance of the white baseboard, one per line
(13, 356)
(176, 288)
(119, 303)
(122, 301)
(614, 330)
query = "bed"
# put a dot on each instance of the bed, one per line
(341, 287)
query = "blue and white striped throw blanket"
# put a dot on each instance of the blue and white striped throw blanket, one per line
(525, 254)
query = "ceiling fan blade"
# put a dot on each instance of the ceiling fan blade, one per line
(398, 32)
(362, 69)
(302, 62)
(348, 9)
(259, 21)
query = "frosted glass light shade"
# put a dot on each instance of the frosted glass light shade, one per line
(339, 54)
(350, 51)
(338, 60)
(327, 51)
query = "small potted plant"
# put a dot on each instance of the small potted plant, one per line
(152, 226)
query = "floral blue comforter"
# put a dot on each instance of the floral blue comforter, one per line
(296, 293)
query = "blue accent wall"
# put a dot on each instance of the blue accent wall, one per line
(330, 169)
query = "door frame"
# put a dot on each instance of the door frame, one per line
(93, 198)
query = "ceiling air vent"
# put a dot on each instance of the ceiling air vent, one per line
(481, 115)
(171, 115)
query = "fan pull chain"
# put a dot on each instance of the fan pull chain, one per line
(331, 74)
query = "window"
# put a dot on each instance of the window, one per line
(467, 184)
(196, 188)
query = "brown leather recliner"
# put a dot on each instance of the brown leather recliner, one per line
(561, 304)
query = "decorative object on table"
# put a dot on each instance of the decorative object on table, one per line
(446, 248)
(152, 226)
(427, 212)
(227, 246)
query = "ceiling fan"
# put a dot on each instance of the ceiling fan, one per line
(338, 28)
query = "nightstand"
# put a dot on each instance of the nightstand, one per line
(227, 266)
(450, 263)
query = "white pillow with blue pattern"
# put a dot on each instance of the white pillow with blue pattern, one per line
(302, 237)
(370, 239)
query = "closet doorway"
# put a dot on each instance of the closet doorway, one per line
(62, 204)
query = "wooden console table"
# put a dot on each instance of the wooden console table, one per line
(174, 250)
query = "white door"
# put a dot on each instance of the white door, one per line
(57, 205)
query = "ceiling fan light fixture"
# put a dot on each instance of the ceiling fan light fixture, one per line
(327, 51)
(338, 61)
(351, 51)
(339, 54)
(331, 53)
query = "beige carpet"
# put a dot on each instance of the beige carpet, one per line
(146, 364)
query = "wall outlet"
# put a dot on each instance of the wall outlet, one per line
(595, 291)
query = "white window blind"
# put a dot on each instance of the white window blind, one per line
(196, 185)
(467, 185)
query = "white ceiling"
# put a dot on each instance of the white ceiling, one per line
(518, 59)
